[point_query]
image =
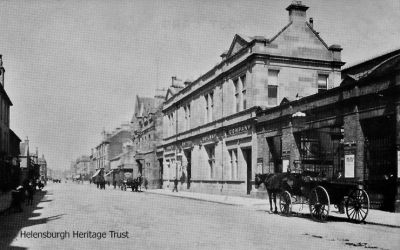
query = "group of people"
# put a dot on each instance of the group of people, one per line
(24, 193)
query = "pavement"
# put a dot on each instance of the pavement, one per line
(375, 217)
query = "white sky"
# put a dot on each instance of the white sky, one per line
(75, 67)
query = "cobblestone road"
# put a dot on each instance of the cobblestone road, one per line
(84, 216)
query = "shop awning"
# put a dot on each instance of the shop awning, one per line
(97, 172)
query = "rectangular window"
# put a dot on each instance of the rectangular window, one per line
(207, 108)
(233, 175)
(244, 85)
(188, 115)
(273, 87)
(211, 160)
(322, 83)
(237, 97)
(211, 110)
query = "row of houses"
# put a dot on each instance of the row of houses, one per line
(17, 163)
(270, 105)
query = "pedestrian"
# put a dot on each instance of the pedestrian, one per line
(146, 183)
(30, 190)
(16, 199)
(175, 185)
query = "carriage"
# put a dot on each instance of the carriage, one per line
(319, 193)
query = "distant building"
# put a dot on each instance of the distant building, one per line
(81, 168)
(110, 147)
(42, 168)
(30, 169)
(147, 135)
(210, 140)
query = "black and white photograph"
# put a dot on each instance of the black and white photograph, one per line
(187, 124)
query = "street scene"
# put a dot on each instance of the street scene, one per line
(171, 124)
(155, 221)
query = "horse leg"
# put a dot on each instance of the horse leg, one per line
(270, 199)
(276, 209)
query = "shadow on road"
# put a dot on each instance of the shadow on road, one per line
(11, 223)
(331, 218)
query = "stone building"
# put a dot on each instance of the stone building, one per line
(42, 168)
(123, 165)
(110, 146)
(82, 168)
(147, 135)
(5, 104)
(352, 129)
(210, 141)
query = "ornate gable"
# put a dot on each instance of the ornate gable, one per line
(238, 43)
(169, 94)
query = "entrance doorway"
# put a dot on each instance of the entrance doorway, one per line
(247, 158)
(161, 172)
(188, 155)
(380, 161)
(140, 167)
(275, 154)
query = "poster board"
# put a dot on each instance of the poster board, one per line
(349, 166)
(285, 165)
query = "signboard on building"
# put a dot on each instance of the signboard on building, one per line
(349, 166)
(187, 144)
(207, 138)
(238, 130)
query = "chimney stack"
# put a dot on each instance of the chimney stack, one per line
(297, 12)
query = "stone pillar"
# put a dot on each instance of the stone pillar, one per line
(290, 150)
(354, 142)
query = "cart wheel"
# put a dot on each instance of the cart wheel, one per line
(319, 204)
(357, 205)
(285, 203)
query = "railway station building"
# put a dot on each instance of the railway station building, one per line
(210, 137)
(352, 130)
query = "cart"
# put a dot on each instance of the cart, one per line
(320, 193)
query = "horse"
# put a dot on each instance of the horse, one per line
(294, 183)
(271, 183)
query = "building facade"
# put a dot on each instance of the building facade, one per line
(42, 168)
(147, 135)
(340, 131)
(210, 140)
(82, 168)
(111, 146)
(5, 159)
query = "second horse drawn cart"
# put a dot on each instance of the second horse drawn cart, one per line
(318, 193)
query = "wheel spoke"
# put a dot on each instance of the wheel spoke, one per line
(350, 208)
(352, 213)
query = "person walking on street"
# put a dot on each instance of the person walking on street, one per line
(175, 185)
